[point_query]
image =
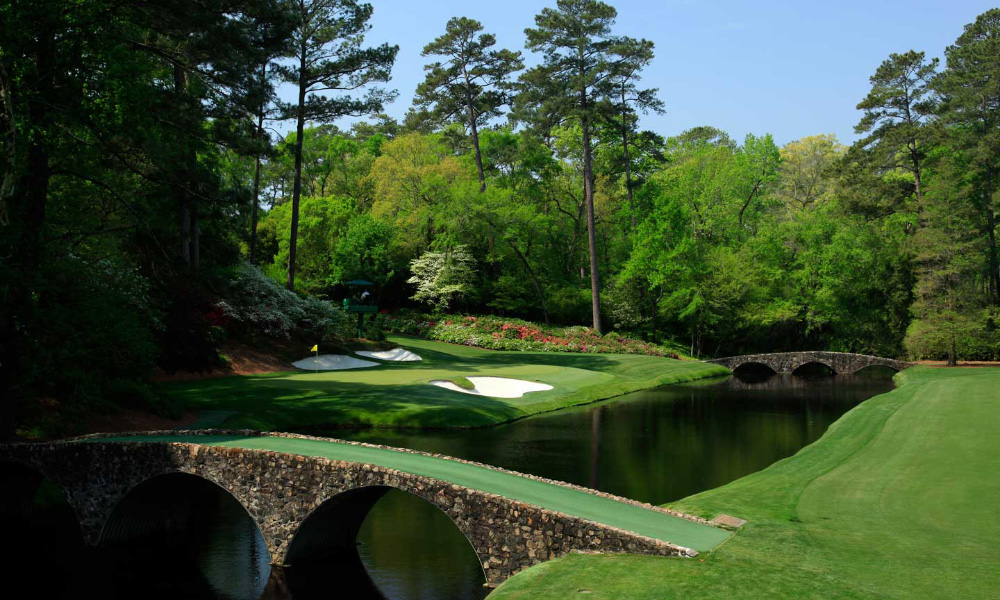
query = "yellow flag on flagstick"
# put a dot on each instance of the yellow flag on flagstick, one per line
(314, 348)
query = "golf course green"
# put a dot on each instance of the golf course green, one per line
(571, 501)
(400, 394)
(897, 500)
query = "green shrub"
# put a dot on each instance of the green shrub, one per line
(462, 382)
(93, 325)
(140, 395)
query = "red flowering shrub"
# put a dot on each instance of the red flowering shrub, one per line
(512, 334)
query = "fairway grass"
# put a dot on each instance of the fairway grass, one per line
(897, 500)
(400, 394)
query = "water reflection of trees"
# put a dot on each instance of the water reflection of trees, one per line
(181, 536)
(663, 444)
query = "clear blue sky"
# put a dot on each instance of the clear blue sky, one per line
(789, 68)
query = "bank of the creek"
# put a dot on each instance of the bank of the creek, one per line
(656, 446)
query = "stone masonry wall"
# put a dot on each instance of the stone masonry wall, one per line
(280, 490)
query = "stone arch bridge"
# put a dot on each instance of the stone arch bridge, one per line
(284, 480)
(787, 362)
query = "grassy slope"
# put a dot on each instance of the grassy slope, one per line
(897, 500)
(398, 394)
(554, 497)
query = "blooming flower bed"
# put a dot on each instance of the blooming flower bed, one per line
(496, 333)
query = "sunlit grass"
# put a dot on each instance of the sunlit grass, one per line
(401, 395)
(897, 500)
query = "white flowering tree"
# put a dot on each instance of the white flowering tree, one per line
(443, 277)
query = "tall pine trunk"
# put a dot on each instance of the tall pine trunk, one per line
(588, 195)
(993, 259)
(255, 209)
(8, 141)
(475, 133)
(297, 186)
(180, 85)
(991, 238)
(588, 187)
(628, 162)
(195, 240)
(185, 228)
(259, 134)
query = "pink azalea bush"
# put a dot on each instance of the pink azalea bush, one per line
(495, 333)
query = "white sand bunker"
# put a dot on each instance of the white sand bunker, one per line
(394, 355)
(332, 362)
(496, 387)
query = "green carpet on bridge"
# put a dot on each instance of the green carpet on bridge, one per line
(554, 497)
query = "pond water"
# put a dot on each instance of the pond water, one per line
(655, 446)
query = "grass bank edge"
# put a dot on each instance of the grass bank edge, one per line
(783, 554)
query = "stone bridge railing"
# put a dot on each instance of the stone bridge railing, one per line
(787, 362)
(280, 491)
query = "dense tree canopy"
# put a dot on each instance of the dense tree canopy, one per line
(145, 194)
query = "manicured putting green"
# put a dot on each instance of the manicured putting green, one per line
(399, 394)
(547, 495)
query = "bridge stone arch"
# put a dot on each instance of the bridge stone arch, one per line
(96, 477)
(757, 367)
(787, 362)
(280, 491)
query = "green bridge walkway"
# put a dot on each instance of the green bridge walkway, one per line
(551, 496)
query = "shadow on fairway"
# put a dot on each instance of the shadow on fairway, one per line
(389, 405)
(437, 359)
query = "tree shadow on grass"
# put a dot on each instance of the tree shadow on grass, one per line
(435, 359)
(368, 405)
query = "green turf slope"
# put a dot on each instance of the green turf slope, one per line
(898, 500)
(547, 495)
(400, 395)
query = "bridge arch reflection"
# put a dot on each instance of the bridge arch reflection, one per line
(179, 523)
(814, 368)
(344, 540)
(42, 534)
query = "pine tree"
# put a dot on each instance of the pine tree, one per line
(896, 112)
(577, 47)
(948, 270)
(471, 86)
(627, 100)
(327, 56)
(970, 86)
